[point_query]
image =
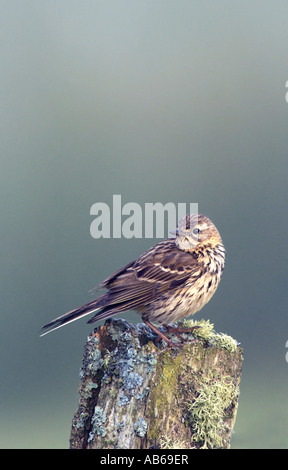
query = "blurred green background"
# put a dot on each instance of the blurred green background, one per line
(156, 100)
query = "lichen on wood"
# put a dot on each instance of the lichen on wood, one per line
(137, 393)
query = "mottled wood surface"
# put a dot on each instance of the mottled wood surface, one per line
(136, 393)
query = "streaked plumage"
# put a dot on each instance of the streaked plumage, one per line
(172, 280)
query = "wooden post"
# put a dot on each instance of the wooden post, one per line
(135, 394)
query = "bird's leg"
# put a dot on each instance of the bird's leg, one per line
(177, 330)
(170, 343)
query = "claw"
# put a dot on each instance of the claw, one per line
(175, 331)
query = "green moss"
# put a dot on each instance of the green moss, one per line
(205, 413)
(166, 443)
(163, 391)
(106, 358)
(197, 366)
(206, 333)
(225, 342)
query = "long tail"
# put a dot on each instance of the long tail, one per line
(76, 314)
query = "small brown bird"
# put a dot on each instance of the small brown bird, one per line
(172, 280)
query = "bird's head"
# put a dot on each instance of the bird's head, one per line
(196, 230)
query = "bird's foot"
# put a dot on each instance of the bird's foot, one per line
(170, 329)
(177, 330)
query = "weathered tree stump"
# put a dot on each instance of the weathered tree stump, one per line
(135, 394)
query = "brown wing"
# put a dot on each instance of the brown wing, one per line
(162, 268)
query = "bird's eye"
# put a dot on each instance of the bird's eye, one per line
(196, 231)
